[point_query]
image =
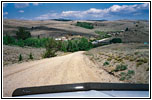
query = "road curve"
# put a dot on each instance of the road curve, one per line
(71, 68)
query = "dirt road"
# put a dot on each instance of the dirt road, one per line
(71, 68)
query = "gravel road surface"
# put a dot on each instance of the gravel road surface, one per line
(71, 68)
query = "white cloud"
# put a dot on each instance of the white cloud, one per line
(5, 13)
(72, 14)
(128, 8)
(115, 8)
(94, 10)
(97, 13)
(21, 5)
(48, 16)
(21, 11)
(35, 4)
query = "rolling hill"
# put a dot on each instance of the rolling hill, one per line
(137, 30)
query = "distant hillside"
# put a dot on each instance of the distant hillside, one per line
(137, 31)
(128, 30)
(46, 28)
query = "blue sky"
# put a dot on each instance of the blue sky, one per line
(76, 11)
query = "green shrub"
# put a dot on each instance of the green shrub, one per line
(119, 59)
(72, 45)
(85, 25)
(20, 43)
(30, 56)
(64, 46)
(126, 29)
(139, 63)
(144, 60)
(59, 45)
(126, 76)
(109, 58)
(131, 72)
(35, 42)
(136, 53)
(22, 33)
(132, 58)
(20, 58)
(105, 63)
(51, 48)
(107, 36)
(122, 78)
(76, 45)
(49, 53)
(120, 67)
(116, 40)
(84, 44)
(122, 73)
(102, 34)
(8, 40)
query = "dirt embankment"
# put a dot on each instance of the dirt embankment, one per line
(71, 68)
(128, 62)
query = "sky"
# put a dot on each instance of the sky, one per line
(76, 11)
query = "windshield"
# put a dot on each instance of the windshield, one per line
(68, 43)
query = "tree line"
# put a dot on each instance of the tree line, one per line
(23, 38)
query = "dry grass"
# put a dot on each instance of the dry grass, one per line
(11, 54)
(134, 56)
